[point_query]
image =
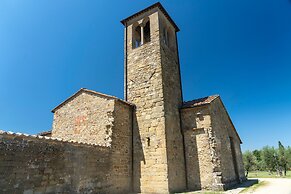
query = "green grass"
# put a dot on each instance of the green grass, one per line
(252, 188)
(265, 174)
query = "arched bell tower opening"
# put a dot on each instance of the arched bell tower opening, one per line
(146, 30)
(152, 83)
(141, 33)
(136, 35)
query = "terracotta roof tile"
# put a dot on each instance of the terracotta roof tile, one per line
(199, 101)
(45, 133)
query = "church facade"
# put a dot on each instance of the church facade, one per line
(152, 141)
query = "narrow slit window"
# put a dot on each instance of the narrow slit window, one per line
(165, 36)
(137, 37)
(149, 141)
(147, 32)
(169, 38)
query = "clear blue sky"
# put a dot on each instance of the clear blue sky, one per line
(239, 49)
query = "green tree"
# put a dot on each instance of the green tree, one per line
(257, 154)
(259, 161)
(269, 156)
(282, 158)
(249, 161)
(289, 156)
(269, 159)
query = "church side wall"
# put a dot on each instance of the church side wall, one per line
(33, 165)
(86, 118)
(197, 147)
(223, 131)
(239, 156)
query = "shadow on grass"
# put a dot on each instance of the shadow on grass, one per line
(245, 184)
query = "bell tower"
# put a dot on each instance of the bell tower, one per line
(152, 83)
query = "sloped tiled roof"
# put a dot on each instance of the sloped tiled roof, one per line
(206, 101)
(159, 5)
(45, 133)
(90, 92)
(199, 101)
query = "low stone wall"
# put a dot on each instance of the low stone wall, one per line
(46, 165)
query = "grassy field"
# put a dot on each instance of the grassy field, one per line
(265, 174)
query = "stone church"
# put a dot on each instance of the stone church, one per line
(150, 142)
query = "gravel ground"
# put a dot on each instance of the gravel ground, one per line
(272, 186)
(275, 186)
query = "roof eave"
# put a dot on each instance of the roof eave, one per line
(92, 92)
(196, 106)
(185, 104)
(65, 101)
(159, 5)
(231, 121)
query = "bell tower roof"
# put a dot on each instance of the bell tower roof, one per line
(156, 5)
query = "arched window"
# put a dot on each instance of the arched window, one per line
(141, 33)
(147, 32)
(136, 37)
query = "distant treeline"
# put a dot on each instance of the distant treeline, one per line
(268, 159)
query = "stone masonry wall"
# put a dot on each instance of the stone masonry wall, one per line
(121, 146)
(86, 118)
(207, 139)
(224, 129)
(198, 147)
(46, 165)
(173, 101)
(145, 90)
(33, 165)
(153, 85)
